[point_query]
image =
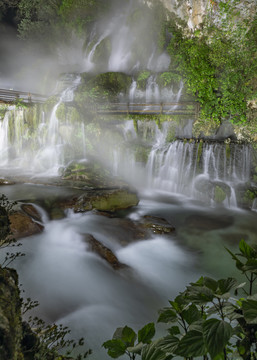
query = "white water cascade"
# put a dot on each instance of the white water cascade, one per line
(197, 169)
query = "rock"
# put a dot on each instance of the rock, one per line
(158, 225)
(4, 223)
(22, 225)
(31, 211)
(106, 200)
(104, 252)
(10, 315)
(92, 174)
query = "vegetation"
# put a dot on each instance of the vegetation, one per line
(218, 61)
(203, 321)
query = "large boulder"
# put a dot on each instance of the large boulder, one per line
(106, 200)
(23, 225)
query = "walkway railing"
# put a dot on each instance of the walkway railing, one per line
(175, 108)
(9, 96)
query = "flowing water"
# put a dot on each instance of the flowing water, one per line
(177, 182)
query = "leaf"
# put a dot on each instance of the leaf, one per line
(169, 344)
(210, 283)
(249, 307)
(192, 344)
(199, 294)
(239, 263)
(192, 314)
(153, 352)
(146, 334)
(216, 335)
(225, 285)
(126, 334)
(247, 250)
(167, 315)
(174, 330)
(116, 347)
(251, 265)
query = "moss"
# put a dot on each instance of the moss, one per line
(199, 152)
(111, 200)
(142, 79)
(219, 194)
(228, 151)
(141, 154)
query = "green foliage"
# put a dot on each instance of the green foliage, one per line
(218, 62)
(205, 321)
(123, 341)
(6, 239)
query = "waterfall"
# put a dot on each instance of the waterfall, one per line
(199, 170)
(4, 139)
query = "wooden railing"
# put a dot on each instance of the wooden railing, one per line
(9, 96)
(173, 108)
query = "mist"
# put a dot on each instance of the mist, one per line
(123, 39)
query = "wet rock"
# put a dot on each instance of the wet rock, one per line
(208, 223)
(106, 200)
(23, 225)
(92, 174)
(10, 315)
(158, 225)
(104, 252)
(4, 223)
(31, 211)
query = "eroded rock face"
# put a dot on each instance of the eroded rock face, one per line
(10, 315)
(192, 11)
(104, 252)
(23, 225)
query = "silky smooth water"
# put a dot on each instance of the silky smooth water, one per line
(77, 288)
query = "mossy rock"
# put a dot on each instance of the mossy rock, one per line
(106, 200)
(219, 194)
(92, 174)
(108, 85)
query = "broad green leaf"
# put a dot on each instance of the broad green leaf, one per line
(216, 334)
(191, 315)
(167, 315)
(251, 265)
(210, 283)
(128, 336)
(225, 285)
(153, 352)
(116, 347)
(146, 334)
(247, 250)
(174, 330)
(200, 294)
(249, 307)
(169, 344)
(192, 344)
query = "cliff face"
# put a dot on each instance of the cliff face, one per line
(10, 316)
(192, 11)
